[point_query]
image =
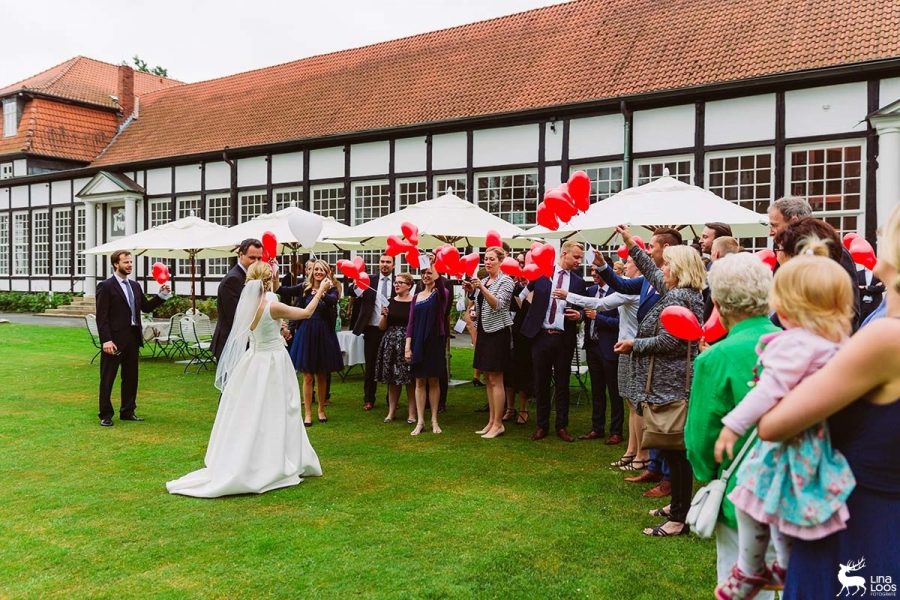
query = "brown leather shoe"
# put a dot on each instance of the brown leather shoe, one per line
(564, 435)
(614, 439)
(368, 406)
(663, 488)
(591, 435)
(539, 434)
(645, 477)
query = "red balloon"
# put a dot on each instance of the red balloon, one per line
(848, 238)
(546, 217)
(640, 242)
(349, 270)
(561, 205)
(410, 232)
(529, 259)
(681, 323)
(544, 257)
(395, 246)
(863, 253)
(450, 256)
(359, 263)
(160, 273)
(622, 251)
(469, 264)
(492, 239)
(768, 257)
(412, 257)
(511, 267)
(157, 268)
(270, 246)
(713, 330)
(579, 187)
(531, 272)
(362, 281)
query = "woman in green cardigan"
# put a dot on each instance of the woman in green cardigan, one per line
(739, 285)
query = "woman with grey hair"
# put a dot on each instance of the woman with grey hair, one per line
(739, 285)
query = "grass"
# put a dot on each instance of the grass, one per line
(84, 511)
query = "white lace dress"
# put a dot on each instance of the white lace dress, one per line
(258, 442)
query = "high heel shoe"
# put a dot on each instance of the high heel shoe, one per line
(323, 419)
(495, 434)
(418, 429)
(483, 431)
(307, 423)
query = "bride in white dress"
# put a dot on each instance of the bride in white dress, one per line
(258, 442)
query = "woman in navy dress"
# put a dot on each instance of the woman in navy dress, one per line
(315, 350)
(858, 391)
(425, 346)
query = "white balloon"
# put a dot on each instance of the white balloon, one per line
(306, 228)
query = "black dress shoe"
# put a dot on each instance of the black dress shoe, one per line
(131, 418)
(106, 423)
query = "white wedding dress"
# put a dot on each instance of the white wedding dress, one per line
(258, 442)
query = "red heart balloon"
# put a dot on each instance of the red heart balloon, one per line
(535, 245)
(681, 323)
(713, 330)
(410, 232)
(158, 268)
(863, 253)
(560, 204)
(395, 246)
(579, 187)
(469, 264)
(412, 257)
(362, 281)
(544, 258)
(492, 239)
(270, 246)
(529, 258)
(348, 269)
(768, 257)
(622, 251)
(359, 263)
(848, 238)
(450, 256)
(546, 217)
(640, 242)
(511, 267)
(531, 272)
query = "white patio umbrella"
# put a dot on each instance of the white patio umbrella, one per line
(665, 202)
(447, 219)
(184, 238)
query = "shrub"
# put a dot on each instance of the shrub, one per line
(33, 302)
(179, 304)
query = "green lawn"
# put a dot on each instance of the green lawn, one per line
(84, 511)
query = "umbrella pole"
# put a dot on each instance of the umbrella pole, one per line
(193, 297)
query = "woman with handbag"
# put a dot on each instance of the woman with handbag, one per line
(661, 370)
(739, 285)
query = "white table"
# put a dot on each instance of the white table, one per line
(353, 351)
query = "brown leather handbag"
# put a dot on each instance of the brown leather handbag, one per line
(664, 423)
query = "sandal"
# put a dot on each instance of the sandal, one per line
(659, 512)
(509, 415)
(635, 465)
(658, 531)
(626, 459)
(522, 418)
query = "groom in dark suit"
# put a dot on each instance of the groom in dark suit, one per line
(552, 329)
(120, 303)
(229, 292)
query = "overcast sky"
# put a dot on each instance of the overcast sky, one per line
(203, 39)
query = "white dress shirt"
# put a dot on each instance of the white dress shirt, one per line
(557, 320)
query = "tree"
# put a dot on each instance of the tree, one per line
(141, 66)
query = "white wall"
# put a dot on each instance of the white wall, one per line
(410, 155)
(159, 181)
(553, 141)
(20, 167)
(40, 285)
(325, 163)
(40, 194)
(596, 136)
(19, 285)
(888, 91)
(187, 178)
(504, 146)
(60, 285)
(369, 159)
(19, 197)
(448, 151)
(252, 171)
(62, 192)
(218, 175)
(664, 128)
(826, 109)
(740, 120)
(552, 177)
(287, 167)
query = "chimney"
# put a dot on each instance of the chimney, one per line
(125, 92)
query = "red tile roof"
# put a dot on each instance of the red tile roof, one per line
(582, 51)
(86, 80)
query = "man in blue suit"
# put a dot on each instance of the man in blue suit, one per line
(601, 333)
(553, 330)
(662, 238)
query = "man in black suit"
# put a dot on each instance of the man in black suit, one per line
(120, 303)
(366, 317)
(229, 292)
(871, 291)
(553, 330)
(601, 333)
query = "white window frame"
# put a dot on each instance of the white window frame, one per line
(528, 216)
(596, 194)
(441, 187)
(662, 160)
(10, 117)
(40, 242)
(6, 170)
(404, 194)
(286, 197)
(748, 243)
(332, 195)
(21, 250)
(62, 241)
(218, 211)
(359, 212)
(251, 203)
(186, 206)
(4, 243)
(80, 239)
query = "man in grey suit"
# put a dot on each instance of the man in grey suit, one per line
(229, 292)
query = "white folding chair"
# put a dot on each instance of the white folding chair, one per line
(579, 367)
(91, 322)
(196, 348)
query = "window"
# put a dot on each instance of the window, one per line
(746, 180)
(251, 204)
(160, 214)
(6, 170)
(370, 201)
(679, 168)
(328, 201)
(41, 243)
(830, 178)
(80, 239)
(21, 252)
(218, 211)
(10, 117)
(4, 244)
(62, 241)
(411, 191)
(186, 207)
(606, 180)
(456, 184)
(512, 196)
(288, 197)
